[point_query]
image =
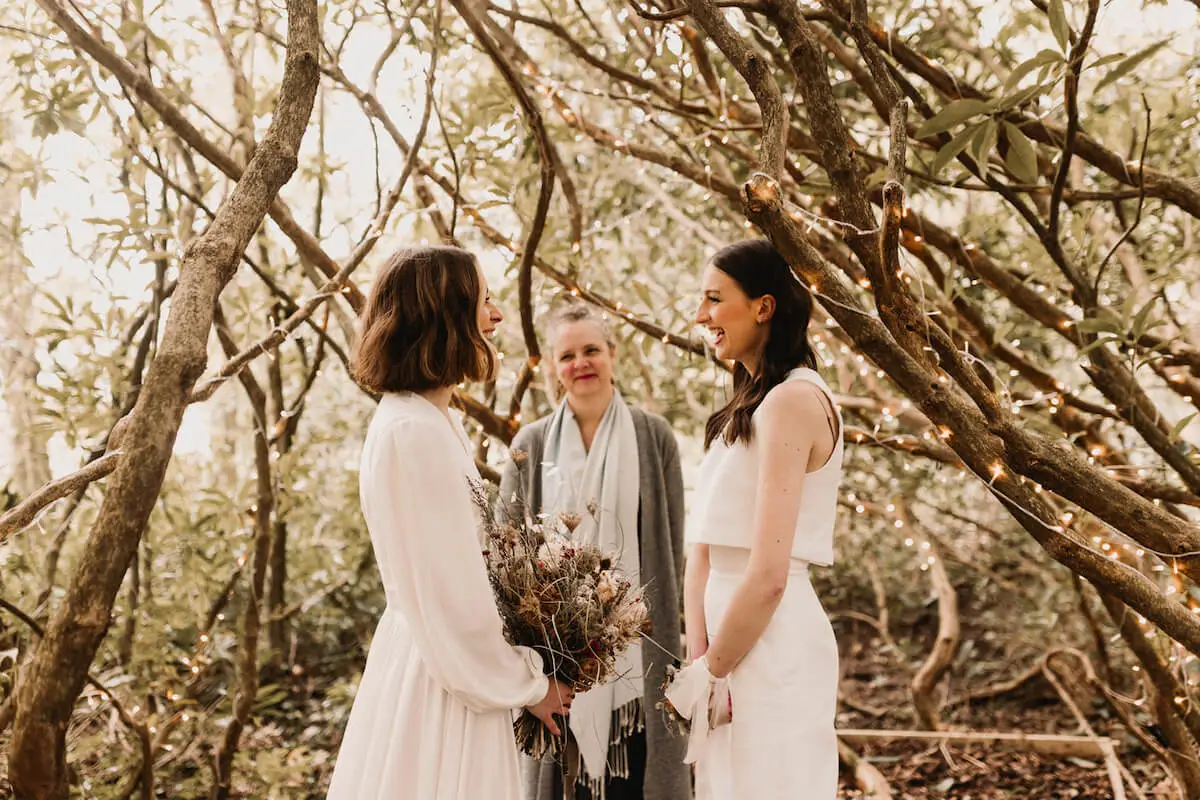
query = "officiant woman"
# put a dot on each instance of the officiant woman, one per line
(617, 467)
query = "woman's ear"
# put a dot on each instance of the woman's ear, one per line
(765, 310)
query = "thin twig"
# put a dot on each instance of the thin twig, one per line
(1141, 196)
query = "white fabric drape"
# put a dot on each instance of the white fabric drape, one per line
(606, 480)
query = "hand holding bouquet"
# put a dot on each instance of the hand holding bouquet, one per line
(697, 702)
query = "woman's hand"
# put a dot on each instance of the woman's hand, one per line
(697, 645)
(557, 701)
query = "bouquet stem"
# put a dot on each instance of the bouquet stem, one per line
(536, 740)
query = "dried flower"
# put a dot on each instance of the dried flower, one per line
(545, 582)
(518, 456)
(606, 590)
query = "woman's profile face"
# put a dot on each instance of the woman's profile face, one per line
(489, 315)
(734, 320)
(583, 359)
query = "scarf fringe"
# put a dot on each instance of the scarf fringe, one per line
(626, 721)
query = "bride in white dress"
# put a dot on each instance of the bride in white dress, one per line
(765, 658)
(432, 719)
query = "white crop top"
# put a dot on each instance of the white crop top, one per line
(728, 483)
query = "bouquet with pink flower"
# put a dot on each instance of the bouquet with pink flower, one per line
(564, 599)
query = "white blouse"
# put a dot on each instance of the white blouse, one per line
(728, 484)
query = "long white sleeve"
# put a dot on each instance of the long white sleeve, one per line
(418, 509)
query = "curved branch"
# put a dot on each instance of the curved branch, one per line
(677, 13)
(23, 515)
(139, 84)
(1141, 198)
(550, 166)
(756, 72)
(52, 679)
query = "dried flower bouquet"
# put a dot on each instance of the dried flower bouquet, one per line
(564, 599)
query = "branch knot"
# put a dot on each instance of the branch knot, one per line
(761, 193)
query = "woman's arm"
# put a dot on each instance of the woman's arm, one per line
(787, 424)
(426, 533)
(695, 581)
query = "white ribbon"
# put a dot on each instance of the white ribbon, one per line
(690, 692)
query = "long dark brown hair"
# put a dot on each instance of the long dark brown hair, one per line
(420, 328)
(758, 268)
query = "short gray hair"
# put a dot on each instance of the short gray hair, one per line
(578, 312)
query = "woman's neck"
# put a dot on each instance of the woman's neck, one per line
(590, 409)
(752, 363)
(588, 412)
(440, 397)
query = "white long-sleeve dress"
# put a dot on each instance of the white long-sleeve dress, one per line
(432, 719)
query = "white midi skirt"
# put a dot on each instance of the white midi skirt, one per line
(781, 744)
(410, 739)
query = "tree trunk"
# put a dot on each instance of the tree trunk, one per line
(264, 510)
(26, 442)
(277, 626)
(50, 683)
(945, 646)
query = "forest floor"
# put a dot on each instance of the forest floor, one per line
(916, 770)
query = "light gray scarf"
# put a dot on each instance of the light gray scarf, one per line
(606, 480)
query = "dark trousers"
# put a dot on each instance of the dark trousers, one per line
(616, 788)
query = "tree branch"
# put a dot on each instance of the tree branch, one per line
(52, 679)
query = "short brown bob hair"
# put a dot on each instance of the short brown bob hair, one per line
(420, 328)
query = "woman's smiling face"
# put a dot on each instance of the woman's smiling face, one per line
(732, 319)
(583, 358)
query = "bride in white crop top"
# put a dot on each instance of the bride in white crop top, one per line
(761, 691)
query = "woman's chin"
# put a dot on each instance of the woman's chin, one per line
(587, 386)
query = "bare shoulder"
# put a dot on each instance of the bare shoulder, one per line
(793, 402)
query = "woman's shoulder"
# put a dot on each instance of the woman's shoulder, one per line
(406, 417)
(530, 433)
(797, 397)
(655, 424)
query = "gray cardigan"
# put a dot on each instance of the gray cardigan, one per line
(660, 520)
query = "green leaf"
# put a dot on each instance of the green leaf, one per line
(1019, 72)
(1103, 62)
(1125, 67)
(1022, 157)
(1140, 321)
(1177, 431)
(1102, 324)
(1059, 25)
(952, 148)
(1022, 96)
(1100, 342)
(984, 142)
(643, 293)
(953, 114)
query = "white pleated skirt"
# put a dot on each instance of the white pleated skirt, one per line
(781, 744)
(410, 739)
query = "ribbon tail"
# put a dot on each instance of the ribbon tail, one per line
(698, 738)
(689, 693)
